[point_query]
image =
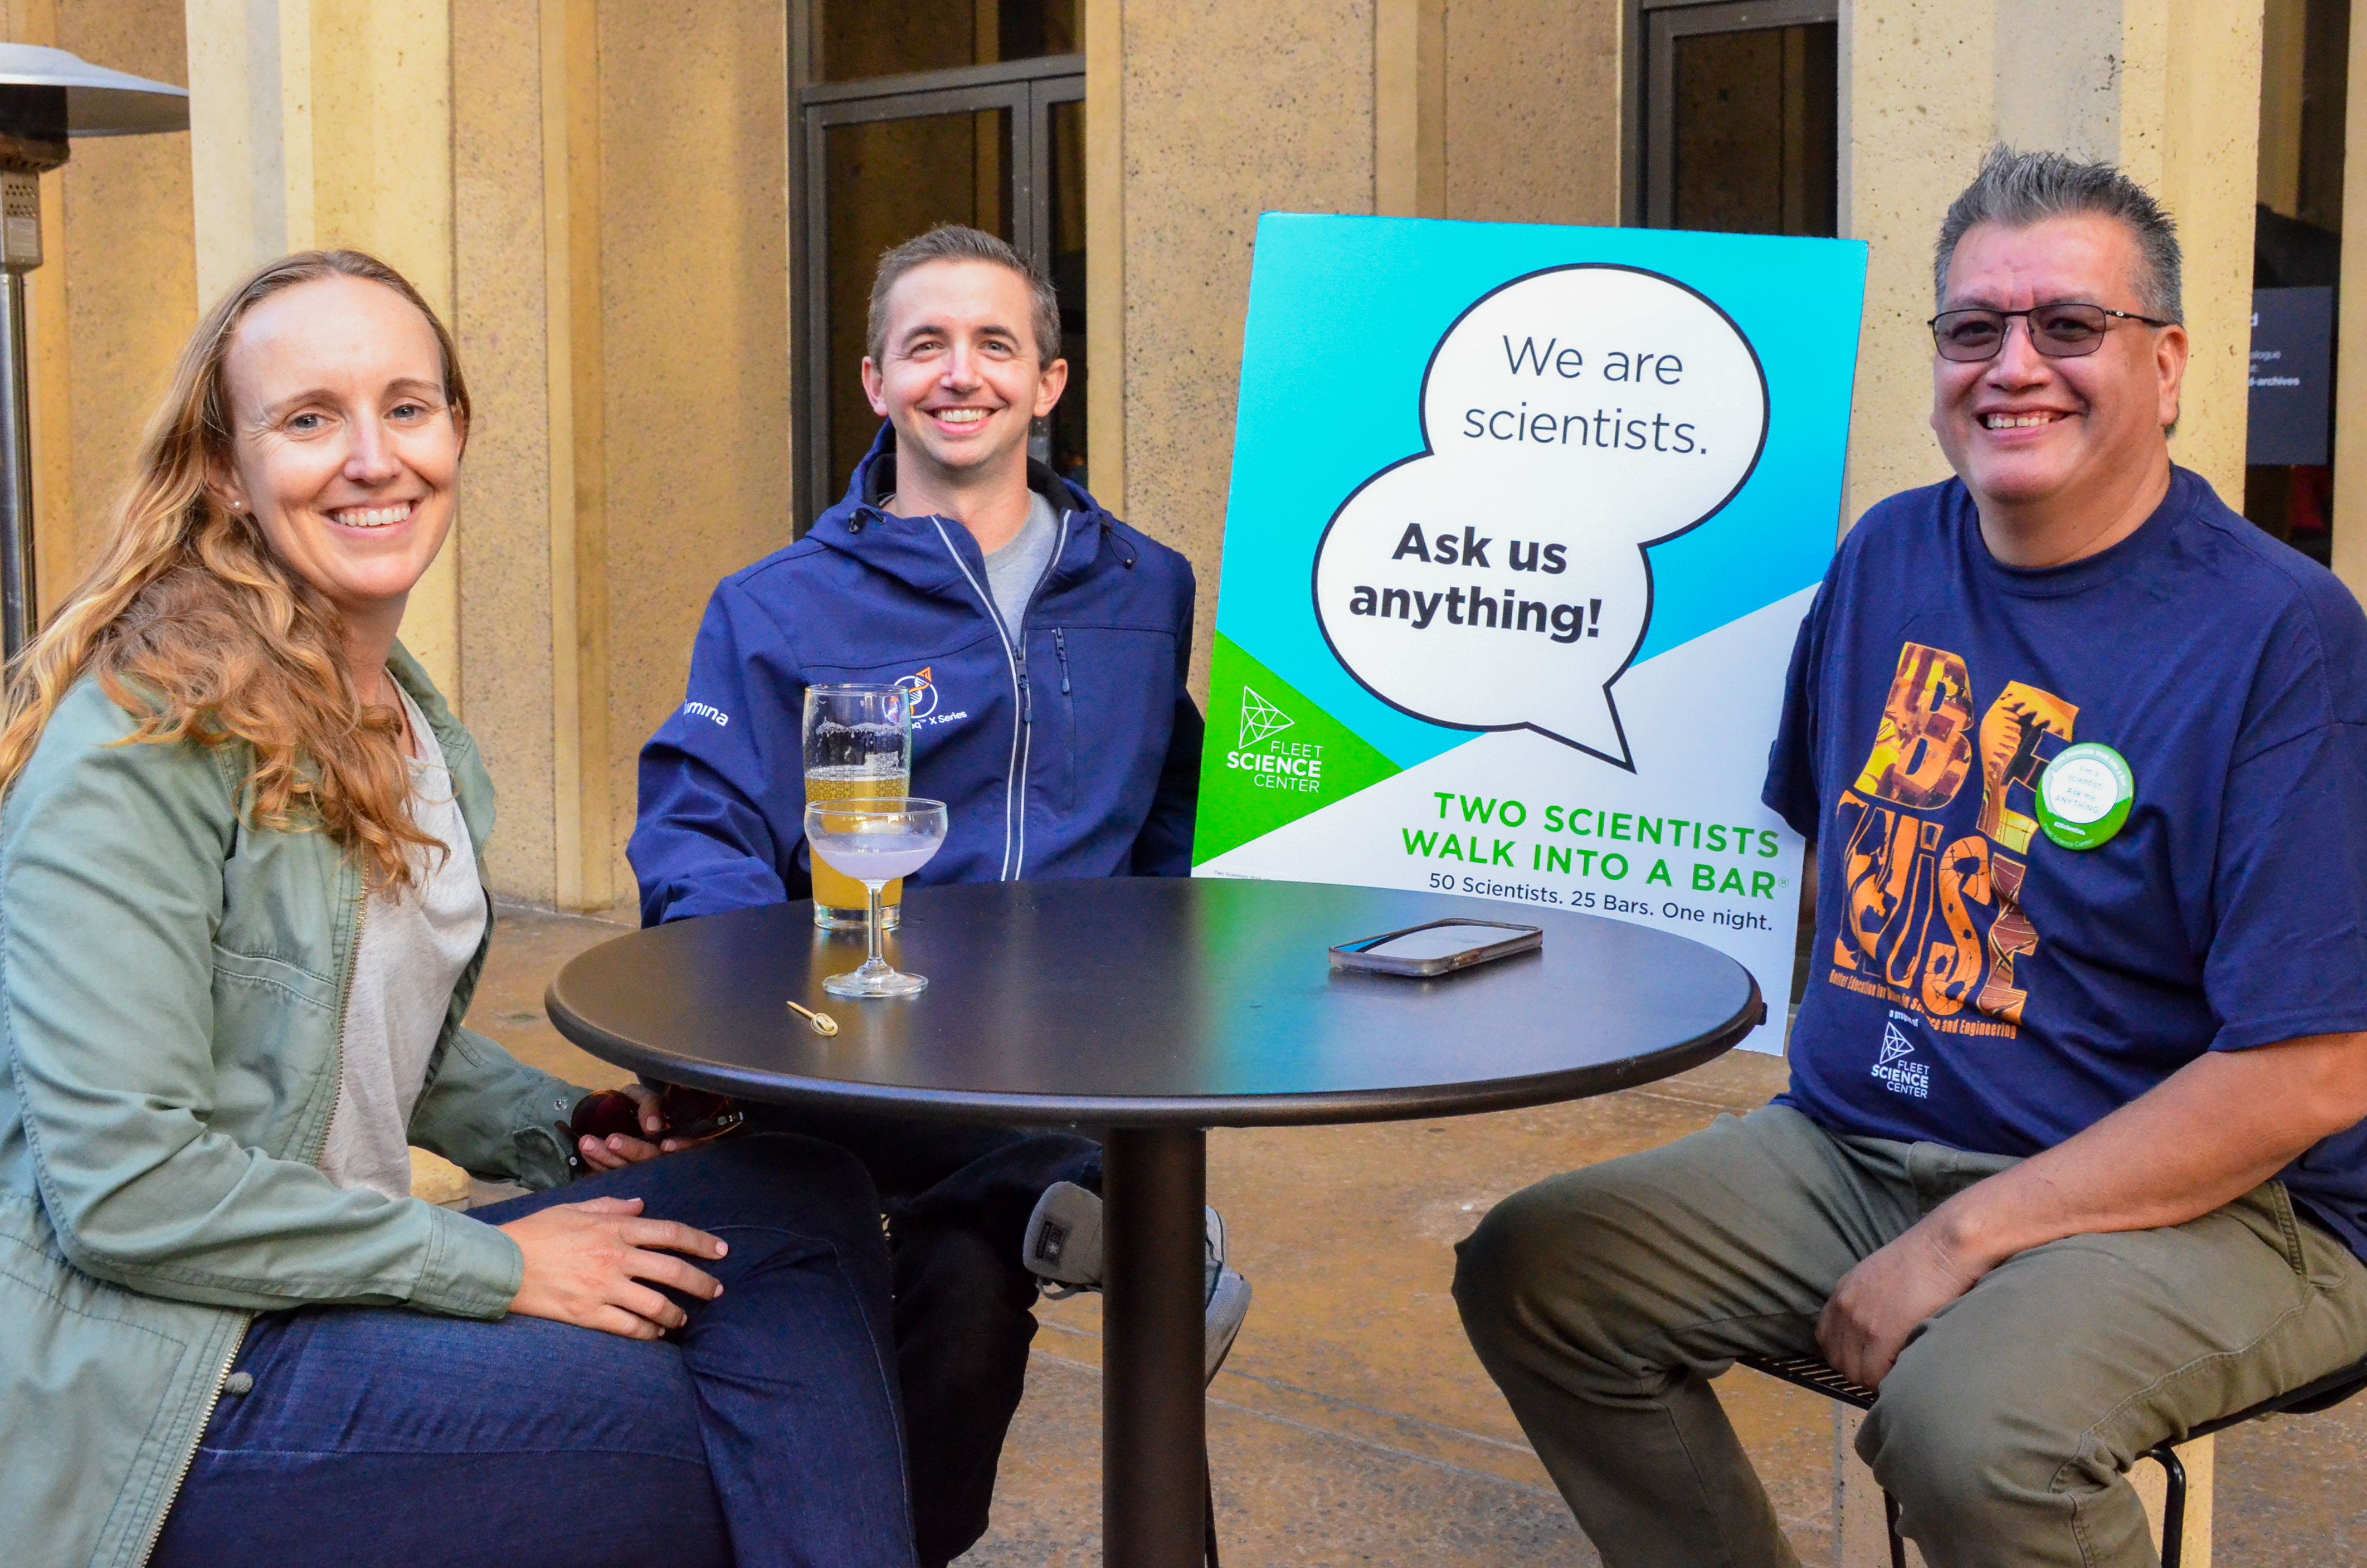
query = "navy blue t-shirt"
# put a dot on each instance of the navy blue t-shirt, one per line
(1973, 982)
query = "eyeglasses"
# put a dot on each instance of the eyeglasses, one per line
(2060, 330)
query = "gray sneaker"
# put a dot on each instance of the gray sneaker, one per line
(1063, 1248)
(1063, 1242)
(1228, 1303)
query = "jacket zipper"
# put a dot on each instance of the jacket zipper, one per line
(1068, 712)
(1015, 655)
(1018, 685)
(205, 1418)
(344, 1011)
(246, 1320)
(1027, 749)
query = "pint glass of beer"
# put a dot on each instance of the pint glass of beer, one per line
(858, 745)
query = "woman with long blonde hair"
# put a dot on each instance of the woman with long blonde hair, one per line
(240, 923)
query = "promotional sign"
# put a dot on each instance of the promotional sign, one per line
(1524, 520)
(2292, 380)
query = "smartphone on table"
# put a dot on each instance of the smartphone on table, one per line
(1439, 947)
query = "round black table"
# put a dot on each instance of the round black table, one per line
(1151, 1009)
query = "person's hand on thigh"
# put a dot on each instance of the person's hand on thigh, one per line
(595, 1264)
(1877, 1305)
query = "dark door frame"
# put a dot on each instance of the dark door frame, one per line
(1648, 173)
(1027, 89)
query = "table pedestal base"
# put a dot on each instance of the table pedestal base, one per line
(1154, 1417)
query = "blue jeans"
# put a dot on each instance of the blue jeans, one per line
(958, 1197)
(765, 1433)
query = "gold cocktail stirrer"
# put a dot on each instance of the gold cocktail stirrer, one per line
(823, 1022)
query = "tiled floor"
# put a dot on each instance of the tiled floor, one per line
(1352, 1424)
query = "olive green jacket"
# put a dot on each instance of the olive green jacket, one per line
(172, 988)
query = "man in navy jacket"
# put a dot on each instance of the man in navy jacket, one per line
(1046, 644)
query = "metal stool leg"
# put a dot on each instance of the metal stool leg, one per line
(1890, 1528)
(2173, 1502)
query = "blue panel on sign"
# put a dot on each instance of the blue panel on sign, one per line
(2293, 376)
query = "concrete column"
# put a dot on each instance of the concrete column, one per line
(583, 857)
(2190, 131)
(2169, 89)
(1293, 130)
(1105, 183)
(690, 279)
(1409, 109)
(1532, 100)
(2284, 45)
(326, 124)
(2351, 347)
(114, 300)
(512, 507)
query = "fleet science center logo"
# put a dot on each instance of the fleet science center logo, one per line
(1274, 764)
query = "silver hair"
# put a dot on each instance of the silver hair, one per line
(2017, 189)
(955, 242)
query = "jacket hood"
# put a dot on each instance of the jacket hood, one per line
(914, 551)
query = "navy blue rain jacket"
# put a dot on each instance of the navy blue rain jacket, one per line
(1064, 746)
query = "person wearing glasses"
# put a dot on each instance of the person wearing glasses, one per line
(2069, 1161)
(240, 923)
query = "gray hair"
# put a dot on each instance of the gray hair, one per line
(955, 242)
(2018, 189)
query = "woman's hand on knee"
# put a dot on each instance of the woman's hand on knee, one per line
(586, 1264)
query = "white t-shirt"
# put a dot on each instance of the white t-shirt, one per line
(1013, 572)
(414, 943)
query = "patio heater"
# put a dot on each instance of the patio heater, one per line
(46, 97)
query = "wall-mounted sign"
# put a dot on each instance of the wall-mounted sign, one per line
(2292, 376)
(1522, 522)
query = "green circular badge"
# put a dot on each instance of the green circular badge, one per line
(2084, 795)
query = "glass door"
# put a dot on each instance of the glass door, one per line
(997, 147)
(1741, 121)
(2296, 265)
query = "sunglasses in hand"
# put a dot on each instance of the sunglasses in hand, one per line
(692, 1116)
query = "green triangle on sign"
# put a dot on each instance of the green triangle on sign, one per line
(1272, 755)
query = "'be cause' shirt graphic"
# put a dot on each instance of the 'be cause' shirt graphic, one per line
(2026, 989)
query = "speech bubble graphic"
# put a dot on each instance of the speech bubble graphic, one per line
(1571, 418)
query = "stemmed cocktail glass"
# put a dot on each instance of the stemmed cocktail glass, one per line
(875, 842)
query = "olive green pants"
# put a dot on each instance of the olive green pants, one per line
(1603, 1303)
